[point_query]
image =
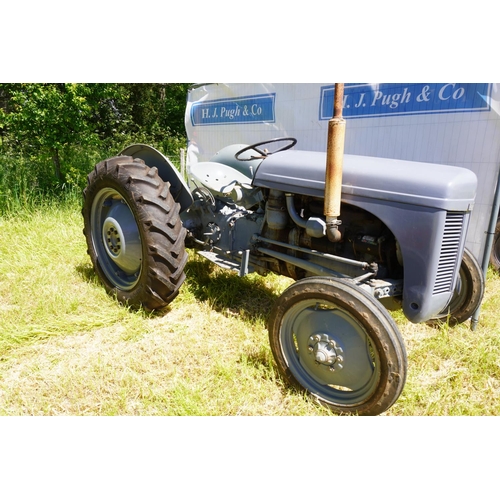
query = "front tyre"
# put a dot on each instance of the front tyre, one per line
(495, 249)
(336, 342)
(134, 234)
(468, 293)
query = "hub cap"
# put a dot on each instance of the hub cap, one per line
(325, 351)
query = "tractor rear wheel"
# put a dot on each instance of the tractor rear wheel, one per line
(134, 234)
(336, 342)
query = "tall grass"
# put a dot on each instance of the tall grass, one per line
(26, 181)
(19, 185)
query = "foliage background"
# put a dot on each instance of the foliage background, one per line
(51, 134)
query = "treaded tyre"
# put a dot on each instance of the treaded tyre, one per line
(468, 293)
(336, 342)
(495, 249)
(134, 233)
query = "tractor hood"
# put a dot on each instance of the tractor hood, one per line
(424, 184)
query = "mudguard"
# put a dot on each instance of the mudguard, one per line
(166, 170)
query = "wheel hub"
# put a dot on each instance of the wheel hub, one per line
(121, 239)
(325, 351)
(113, 237)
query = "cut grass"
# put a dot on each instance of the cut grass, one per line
(67, 348)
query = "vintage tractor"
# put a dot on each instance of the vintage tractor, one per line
(260, 208)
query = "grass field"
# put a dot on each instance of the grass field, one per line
(67, 348)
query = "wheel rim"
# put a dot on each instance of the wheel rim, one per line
(329, 352)
(116, 239)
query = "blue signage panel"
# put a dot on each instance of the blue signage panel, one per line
(247, 109)
(390, 99)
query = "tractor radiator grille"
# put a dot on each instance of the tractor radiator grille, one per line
(449, 252)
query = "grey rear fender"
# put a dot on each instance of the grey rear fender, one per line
(166, 170)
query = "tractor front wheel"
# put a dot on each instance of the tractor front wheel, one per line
(336, 342)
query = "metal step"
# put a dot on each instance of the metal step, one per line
(225, 263)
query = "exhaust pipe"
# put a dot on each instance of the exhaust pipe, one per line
(334, 162)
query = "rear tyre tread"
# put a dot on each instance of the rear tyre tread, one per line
(160, 227)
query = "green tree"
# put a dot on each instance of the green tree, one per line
(49, 117)
(155, 109)
(61, 128)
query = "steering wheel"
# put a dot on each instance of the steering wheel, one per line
(265, 153)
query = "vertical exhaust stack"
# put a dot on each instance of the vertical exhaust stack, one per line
(334, 162)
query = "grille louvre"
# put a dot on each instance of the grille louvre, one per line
(449, 252)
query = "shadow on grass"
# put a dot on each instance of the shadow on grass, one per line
(86, 271)
(249, 297)
(260, 359)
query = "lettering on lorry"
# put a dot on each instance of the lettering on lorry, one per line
(370, 100)
(247, 109)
